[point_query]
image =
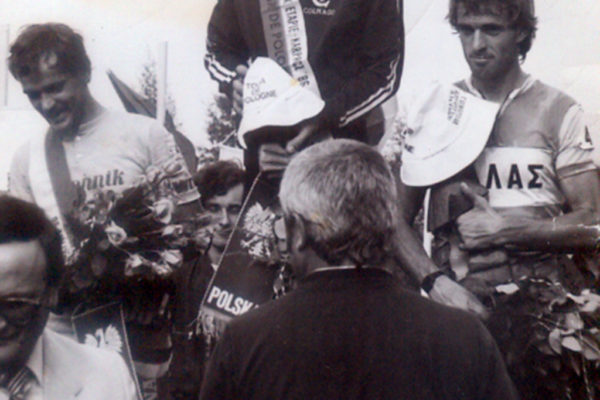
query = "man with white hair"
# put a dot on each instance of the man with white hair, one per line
(349, 331)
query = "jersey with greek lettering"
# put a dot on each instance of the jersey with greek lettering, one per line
(538, 139)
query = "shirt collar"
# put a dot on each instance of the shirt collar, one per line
(527, 83)
(36, 361)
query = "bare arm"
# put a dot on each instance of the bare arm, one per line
(411, 254)
(413, 259)
(483, 227)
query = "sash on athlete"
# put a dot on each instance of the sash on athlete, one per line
(285, 36)
(55, 193)
(51, 184)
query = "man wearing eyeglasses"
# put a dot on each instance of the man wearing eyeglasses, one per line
(36, 363)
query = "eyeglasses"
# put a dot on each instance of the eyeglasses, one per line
(20, 310)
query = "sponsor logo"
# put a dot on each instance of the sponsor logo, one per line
(456, 106)
(318, 11)
(321, 3)
(110, 178)
(321, 8)
(517, 178)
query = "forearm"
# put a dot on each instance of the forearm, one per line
(576, 230)
(411, 254)
(484, 227)
(225, 48)
(412, 258)
(362, 94)
(381, 57)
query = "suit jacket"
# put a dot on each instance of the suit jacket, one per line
(76, 371)
(356, 335)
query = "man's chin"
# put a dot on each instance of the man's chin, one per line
(11, 351)
(220, 238)
(63, 128)
(219, 241)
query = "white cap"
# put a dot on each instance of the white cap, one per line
(447, 129)
(273, 98)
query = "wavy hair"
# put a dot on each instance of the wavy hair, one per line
(520, 13)
(215, 179)
(39, 41)
(345, 194)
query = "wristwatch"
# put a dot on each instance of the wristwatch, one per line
(428, 282)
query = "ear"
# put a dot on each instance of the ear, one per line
(86, 77)
(295, 229)
(522, 35)
(51, 295)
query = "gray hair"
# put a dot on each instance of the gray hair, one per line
(345, 194)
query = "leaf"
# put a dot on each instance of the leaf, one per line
(161, 269)
(587, 293)
(508, 288)
(103, 245)
(574, 321)
(555, 364)
(572, 344)
(133, 263)
(172, 230)
(567, 332)
(163, 210)
(554, 341)
(590, 349)
(580, 300)
(98, 265)
(172, 257)
(590, 307)
(574, 362)
(545, 349)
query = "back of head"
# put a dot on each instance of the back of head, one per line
(345, 194)
(21, 221)
(520, 14)
(46, 42)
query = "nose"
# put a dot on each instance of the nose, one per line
(478, 40)
(224, 217)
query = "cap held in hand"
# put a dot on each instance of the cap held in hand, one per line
(273, 98)
(447, 129)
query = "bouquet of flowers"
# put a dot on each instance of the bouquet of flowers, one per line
(555, 331)
(128, 240)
